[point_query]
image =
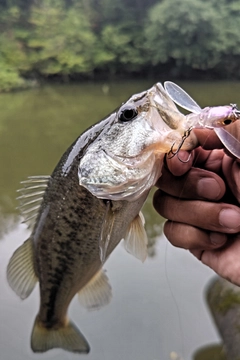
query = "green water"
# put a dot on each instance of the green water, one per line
(36, 127)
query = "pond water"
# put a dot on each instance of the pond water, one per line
(158, 308)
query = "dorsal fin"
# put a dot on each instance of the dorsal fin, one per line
(31, 197)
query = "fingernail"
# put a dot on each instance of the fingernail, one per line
(217, 238)
(229, 218)
(208, 188)
(184, 155)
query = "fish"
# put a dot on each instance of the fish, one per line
(90, 202)
(209, 117)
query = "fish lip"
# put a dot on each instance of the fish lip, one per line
(156, 94)
(159, 88)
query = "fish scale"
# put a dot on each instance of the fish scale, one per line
(62, 256)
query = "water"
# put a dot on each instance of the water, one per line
(158, 307)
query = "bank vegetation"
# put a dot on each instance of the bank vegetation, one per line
(104, 39)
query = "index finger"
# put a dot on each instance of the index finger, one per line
(208, 139)
(183, 161)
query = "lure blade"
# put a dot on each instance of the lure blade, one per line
(181, 98)
(231, 143)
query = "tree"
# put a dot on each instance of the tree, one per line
(186, 31)
(61, 40)
(12, 56)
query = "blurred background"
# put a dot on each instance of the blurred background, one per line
(105, 39)
(73, 62)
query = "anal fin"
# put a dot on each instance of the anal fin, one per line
(96, 293)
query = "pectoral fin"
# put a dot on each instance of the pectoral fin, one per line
(96, 293)
(135, 241)
(20, 271)
(106, 232)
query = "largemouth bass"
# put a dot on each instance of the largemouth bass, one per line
(80, 213)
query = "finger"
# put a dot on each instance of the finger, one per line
(190, 237)
(219, 217)
(231, 170)
(180, 163)
(197, 253)
(196, 184)
(208, 139)
(225, 261)
(236, 179)
(234, 130)
(210, 160)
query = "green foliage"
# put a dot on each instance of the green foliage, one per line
(230, 26)
(123, 51)
(189, 35)
(61, 41)
(200, 34)
(12, 57)
(9, 78)
(118, 27)
(67, 38)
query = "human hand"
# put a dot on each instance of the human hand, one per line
(201, 199)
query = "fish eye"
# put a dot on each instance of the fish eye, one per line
(128, 113)
(227, 121)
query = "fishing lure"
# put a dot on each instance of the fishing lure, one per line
(209, 117)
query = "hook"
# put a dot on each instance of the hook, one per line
(174, 153)
(236, 111)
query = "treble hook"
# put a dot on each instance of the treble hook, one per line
(174, 153)
(235, 110)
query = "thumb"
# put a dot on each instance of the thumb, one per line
(180, 163)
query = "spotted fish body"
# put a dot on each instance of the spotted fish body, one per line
(81, 212)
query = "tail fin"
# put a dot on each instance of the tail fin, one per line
(67, 337)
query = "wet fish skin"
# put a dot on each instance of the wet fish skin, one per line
(131, 152)
(62, 252)
(62, 258)
(68, 260)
